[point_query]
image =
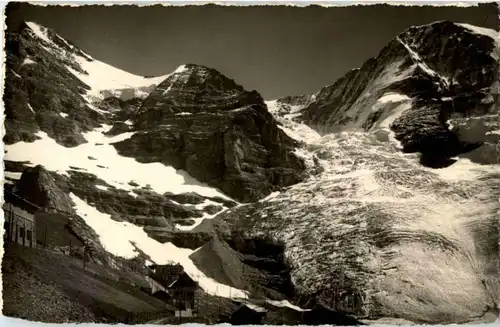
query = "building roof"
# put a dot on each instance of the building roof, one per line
(16, 200)
(182, 280)
(172, 276)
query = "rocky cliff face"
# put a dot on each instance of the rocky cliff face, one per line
(331, 213)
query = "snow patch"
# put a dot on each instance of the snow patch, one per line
(394, 105)
(464, 170)
(176, 76)
(28, 61)
(201, 207)
(270, 196)
(12, 175)
(254, 307)
(393, 114)
(104, 80)
(393, 97)
(63, 114)
(31, 108)
(198, 221)
(419, 62)
(481, 30)
(450, 125)
(487, 32)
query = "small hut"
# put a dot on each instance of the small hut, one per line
(247, 314)
(183, 291)
(180, 287)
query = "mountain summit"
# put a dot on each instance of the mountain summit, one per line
(376, 197)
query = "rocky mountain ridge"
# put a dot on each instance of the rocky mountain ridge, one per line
(306, 199)
(425, 76)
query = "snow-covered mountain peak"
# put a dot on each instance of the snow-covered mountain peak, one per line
(103, 80)
(202, 80)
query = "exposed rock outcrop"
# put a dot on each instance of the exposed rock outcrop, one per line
(43, 188)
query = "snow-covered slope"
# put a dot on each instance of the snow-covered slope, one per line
(132, 237)
(98, 157)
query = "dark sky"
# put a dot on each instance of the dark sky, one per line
(276, 50)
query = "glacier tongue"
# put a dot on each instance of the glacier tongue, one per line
(394, 230)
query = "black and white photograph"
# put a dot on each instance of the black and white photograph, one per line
(251, 163)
